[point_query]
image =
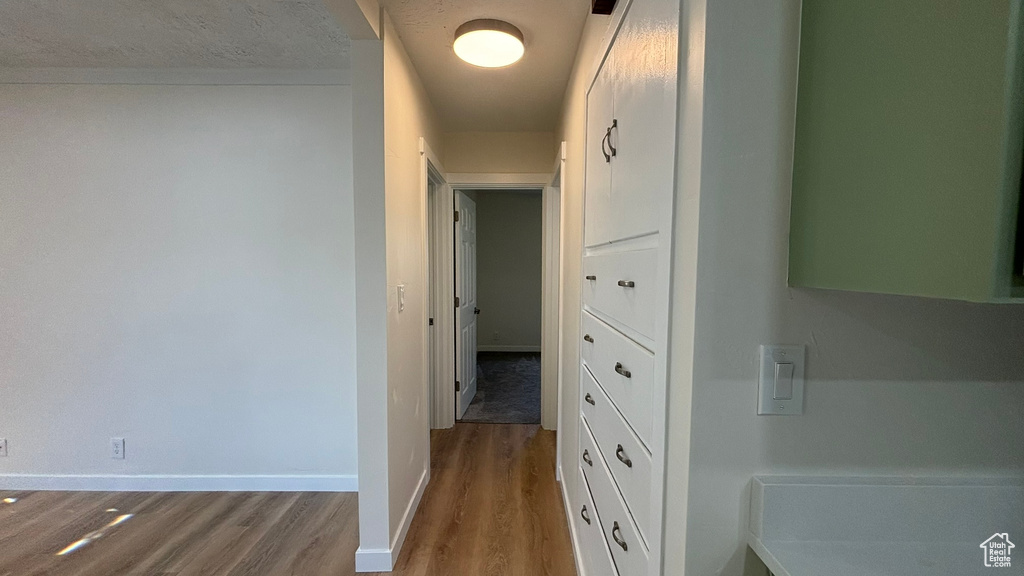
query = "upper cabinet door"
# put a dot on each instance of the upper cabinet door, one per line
(644, 79)
(597, 204)
(907, 166)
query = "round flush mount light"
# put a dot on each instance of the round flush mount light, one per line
(489, 43)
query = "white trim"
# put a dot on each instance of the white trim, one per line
(560, 178)
(573, 534)
(441, 285)
(175, 76)
(469, 181)
(178, 483)
(506, 348)
(373, 560)
(383, 560)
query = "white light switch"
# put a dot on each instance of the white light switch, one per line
(781, 382)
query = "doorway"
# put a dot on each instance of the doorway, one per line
(499, 268)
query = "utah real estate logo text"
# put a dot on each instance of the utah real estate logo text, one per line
(997, 550)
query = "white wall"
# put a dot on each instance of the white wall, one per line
(176, 268)
(509, 264)
(895, 385)
(499, 152)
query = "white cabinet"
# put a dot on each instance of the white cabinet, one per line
(628, 203)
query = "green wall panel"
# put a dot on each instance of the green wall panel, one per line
(899, 182)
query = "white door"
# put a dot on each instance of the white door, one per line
(465, 310)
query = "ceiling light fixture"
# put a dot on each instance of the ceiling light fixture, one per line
(489, 43)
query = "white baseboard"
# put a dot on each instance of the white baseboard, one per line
(169, 483)
(572, 526)
(383, 560)
(509, 348)
(373, 560)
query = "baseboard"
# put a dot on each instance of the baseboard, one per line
(510, 348)
(383, 560)
(169, 483)
(572, 526)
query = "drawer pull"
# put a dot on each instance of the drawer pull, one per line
(627, 283)
(588, 338)
(620, 453)
(586, 458)
(607, 134)
(623, 371)
(617, 536)
(591, 277)
(589, 399)
(584, 514)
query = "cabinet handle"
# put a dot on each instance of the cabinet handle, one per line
(588, 338)
(607, 134)
(627, 283)
(617, 536)
(623, 371)
(586, 458)
(589, 399)
(620, 453)
(584, 514)
(614, 126)
(591, 277)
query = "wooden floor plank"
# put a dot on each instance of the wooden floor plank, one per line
(492, 508)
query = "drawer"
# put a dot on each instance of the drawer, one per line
(603, 349)
(628, 550)
(626, 458)
(620, 285)
(596, 556)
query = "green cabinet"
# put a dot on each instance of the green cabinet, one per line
(907, 161)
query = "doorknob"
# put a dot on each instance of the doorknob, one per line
(476, 310)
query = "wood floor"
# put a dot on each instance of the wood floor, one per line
(492, 508)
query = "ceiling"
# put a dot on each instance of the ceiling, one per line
(294, 34)
(524, 97)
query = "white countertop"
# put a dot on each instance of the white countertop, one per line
(814, 526)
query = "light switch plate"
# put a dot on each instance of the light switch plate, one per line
(776, 362)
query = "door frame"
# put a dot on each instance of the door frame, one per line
(445, 415)
(439, 230)
(557, 269)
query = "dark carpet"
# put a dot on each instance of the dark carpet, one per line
(507, 389)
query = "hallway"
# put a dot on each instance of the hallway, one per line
(492, 508)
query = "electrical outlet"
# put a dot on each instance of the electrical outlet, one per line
(3, 447)
(117, 448)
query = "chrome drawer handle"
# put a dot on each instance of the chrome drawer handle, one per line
(591, 277)
(627, 283)
(589, 399)
(623, 371)
(586, 458)
(584, 514)
(617, 536)
(588, 338)
(620, 453)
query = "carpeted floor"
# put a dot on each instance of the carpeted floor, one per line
(507, 389)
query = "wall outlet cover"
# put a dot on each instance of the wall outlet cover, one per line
(117, 448)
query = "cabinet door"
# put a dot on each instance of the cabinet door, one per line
(644, 94)
(599, 167)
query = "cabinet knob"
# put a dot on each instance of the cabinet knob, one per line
(588, 338)
(589, 399)
(620, 453)
(622, 371)
(627, 283)
(617, 536)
